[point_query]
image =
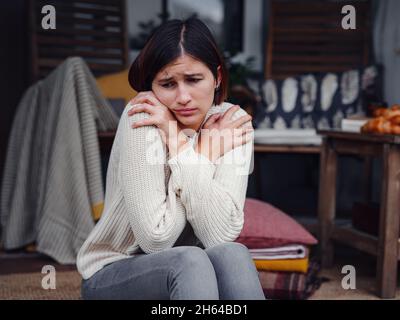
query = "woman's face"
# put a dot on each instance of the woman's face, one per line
(186, 86)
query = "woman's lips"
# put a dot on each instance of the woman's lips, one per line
(186, 112)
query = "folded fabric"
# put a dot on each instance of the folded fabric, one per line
(291, 285)
(293, 265)
(279, 253)
(283, 285)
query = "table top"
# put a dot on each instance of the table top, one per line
(367, 137)
(286, 148)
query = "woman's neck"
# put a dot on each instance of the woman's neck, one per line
(189, 131)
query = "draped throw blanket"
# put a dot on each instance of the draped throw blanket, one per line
(52, 183)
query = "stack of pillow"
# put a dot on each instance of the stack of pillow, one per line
(280, 248)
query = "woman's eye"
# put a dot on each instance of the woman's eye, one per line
(167, 85)
(194, 80)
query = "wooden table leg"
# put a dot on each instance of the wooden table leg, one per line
(367, 179)
(389, 223)
(327, 201)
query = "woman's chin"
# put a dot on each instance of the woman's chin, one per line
(189, 122)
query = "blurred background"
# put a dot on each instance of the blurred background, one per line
(292, 65)
(261, 40)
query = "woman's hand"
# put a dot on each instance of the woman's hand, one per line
(221, 134)
(161, 117)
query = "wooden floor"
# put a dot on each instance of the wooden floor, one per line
(15, 263)
(364, 265)
(20, 278)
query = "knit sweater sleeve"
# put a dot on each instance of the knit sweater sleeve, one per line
(213, 193)
(155, 216)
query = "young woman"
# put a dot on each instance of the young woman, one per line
(175, 191)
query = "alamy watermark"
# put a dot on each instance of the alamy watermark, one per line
(49, 280)
(49, 18)
(349, 280)
(349, 20)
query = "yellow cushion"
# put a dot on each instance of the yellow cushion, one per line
(116, 86)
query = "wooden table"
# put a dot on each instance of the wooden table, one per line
(278, 148)
(313, 149)
(386, 246)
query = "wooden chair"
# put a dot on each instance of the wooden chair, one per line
(92, 29)
(307, 36)
(95, 30)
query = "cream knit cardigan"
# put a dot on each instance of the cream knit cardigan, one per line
(150, 201)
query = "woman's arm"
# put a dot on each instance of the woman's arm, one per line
(157, 217)
(214, 194)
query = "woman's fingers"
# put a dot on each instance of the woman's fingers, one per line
(143, 107)
(229, 113)
(242, 120)
(145, 97)
(213, 118)
(242, 139)
(144, 122)
(242, 131)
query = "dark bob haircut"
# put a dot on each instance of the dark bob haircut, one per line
(167, 43)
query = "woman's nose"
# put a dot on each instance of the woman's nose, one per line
(183, 95)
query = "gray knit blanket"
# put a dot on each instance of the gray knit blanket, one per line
(52, 183)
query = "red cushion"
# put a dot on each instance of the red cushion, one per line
(266, 226)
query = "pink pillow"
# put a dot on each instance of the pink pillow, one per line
(266, 226)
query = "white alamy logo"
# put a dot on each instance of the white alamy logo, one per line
(349, 280)
(49, 20)
(49, 280)
(349, 20)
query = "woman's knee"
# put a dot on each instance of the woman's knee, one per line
(193, 275)
(191, 258)
(232, 256)
(230, 249)
(236, 271)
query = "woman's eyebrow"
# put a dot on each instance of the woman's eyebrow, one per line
(186, 75)
(193, 74)
(165, 79)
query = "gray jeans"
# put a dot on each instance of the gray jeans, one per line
(225, 271)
